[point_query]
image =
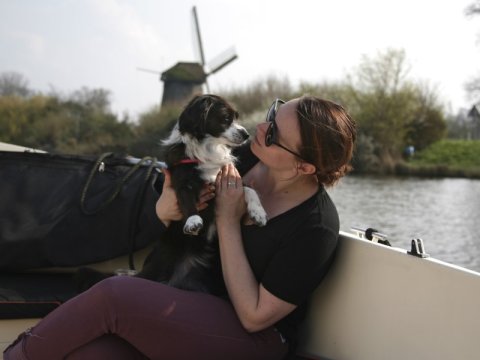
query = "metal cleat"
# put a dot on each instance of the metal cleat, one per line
(418, 249)
(371, 234)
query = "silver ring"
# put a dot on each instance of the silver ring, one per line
(231, 184)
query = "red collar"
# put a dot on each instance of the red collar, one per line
(188, 161)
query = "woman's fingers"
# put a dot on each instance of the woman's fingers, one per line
(207, 193)
(229, 178)
(167, 178)
(229, 194)
(228, 181)
(218, 181)
(167, 205)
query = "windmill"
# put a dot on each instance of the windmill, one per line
(185, 79)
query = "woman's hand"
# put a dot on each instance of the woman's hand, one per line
(230, 199)
(167, 208)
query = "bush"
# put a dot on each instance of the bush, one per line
(365, 159)
(153, 126)
(452, 153)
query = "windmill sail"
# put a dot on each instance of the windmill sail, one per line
(149, 70)
(198, 45)
(222, 60)
(198, 37)
(184, 79)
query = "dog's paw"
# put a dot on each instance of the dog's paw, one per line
(258, 215)
(193, 225)
(255, 210)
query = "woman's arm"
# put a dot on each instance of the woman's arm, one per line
(167, 208)
(255, 306)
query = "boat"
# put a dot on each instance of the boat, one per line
(376, 302)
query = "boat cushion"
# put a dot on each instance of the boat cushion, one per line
(33, 295)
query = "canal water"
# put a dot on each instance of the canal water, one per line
(444, 213)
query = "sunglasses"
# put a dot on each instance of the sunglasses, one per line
(271, 136)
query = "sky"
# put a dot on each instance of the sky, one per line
(65, 45)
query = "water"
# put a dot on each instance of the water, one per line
(444, 213)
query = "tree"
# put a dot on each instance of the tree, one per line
(391, 110)
(258, 95)
(473, 9)
(93, 99)
(427, 127)
(427, 124)
(472, 87)
(80, 123)
(384, 101)
(153, 126)
(14, 84)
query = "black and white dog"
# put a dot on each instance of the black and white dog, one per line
(199, 145)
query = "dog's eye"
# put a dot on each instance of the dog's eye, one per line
(227, 121)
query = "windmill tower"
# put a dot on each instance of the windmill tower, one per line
(185, 79)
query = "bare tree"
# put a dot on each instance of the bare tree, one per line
(14, 84)
(473, 9)
(472, 87)
(96, 99)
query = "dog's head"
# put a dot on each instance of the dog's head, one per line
(211, 116)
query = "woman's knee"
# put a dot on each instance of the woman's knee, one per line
(111, 289)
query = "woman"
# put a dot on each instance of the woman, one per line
(305, 145)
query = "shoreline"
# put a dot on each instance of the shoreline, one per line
(432, 171)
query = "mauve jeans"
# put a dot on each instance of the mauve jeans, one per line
(131, 318)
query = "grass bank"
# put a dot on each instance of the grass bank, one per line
(445, 158)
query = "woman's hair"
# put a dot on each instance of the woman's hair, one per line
(328, 136)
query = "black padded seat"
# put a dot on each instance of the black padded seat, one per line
(33, 295)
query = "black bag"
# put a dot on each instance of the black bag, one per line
(61, 210)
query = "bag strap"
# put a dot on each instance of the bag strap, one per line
(99, 167)
(138, 210)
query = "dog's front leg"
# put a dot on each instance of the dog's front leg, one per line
(254, 207)
(187, 202)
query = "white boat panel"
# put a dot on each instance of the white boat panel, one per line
(16, 148)
(380, 303)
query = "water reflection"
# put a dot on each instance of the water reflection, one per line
(445, 213)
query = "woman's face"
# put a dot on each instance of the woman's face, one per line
(287, 135)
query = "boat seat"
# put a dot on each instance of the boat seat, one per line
(33, 295)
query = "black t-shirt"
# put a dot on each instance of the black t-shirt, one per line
(291, 254)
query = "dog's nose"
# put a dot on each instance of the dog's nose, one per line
(244, 134)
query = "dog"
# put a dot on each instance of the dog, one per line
(200, 144)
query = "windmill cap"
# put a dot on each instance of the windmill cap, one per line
(185, 71)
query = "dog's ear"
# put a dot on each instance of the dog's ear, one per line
(193, 118)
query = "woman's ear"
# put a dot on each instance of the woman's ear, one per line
(306, 168)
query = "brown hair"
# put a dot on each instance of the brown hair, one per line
(328, 136)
